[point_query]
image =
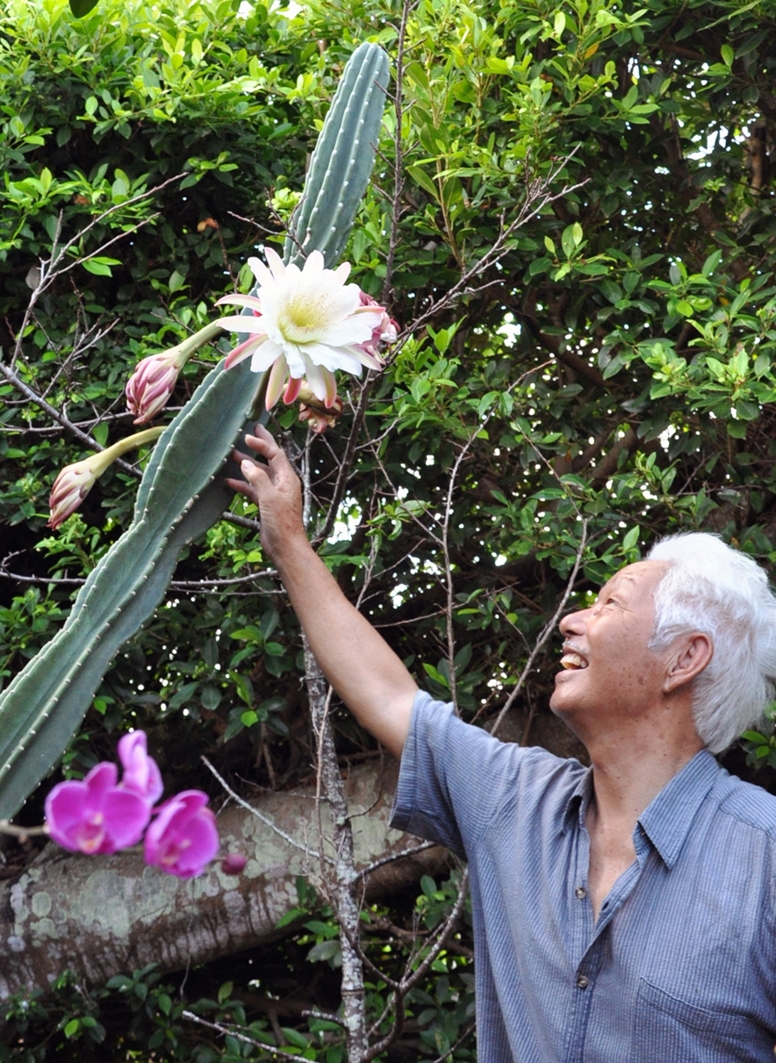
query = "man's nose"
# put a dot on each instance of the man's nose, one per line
(573, 623)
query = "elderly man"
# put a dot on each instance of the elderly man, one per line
(622, 913)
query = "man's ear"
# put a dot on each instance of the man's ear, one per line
(690, 654)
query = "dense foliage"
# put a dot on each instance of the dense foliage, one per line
(580, 383)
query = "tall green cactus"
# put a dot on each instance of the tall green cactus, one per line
(182, 493)
(342, 161)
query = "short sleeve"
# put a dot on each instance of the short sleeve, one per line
(454, 777)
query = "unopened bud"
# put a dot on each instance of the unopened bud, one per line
(233, 863)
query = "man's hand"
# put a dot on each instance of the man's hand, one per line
(276, 490)
(361, 667)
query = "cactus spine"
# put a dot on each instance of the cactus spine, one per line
(182, 493)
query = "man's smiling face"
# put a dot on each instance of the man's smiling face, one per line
(608, 668)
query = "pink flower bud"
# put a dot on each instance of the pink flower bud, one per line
(141, 773)
(233, 863)
(152, 383)
(70, 489)
(183, 837)
(74, 482)
(96, 816)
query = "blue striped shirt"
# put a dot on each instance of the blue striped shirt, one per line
(680, 966)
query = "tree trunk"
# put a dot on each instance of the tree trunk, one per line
(100, 916)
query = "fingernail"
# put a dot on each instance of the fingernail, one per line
(246, 466)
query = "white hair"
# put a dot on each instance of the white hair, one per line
(712, 588)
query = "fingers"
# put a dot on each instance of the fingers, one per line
(263, 443)
(242, 488)
(260, 477)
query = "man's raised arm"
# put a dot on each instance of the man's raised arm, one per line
(358, 663)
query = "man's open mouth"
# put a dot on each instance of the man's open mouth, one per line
(572, 661)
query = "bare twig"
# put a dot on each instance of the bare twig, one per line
(60, 418)
(236, 1032)
(546, 630)
(412, 851)
(260, 816)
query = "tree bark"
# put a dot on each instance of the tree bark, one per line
(101, 916)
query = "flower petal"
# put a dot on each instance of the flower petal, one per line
(292, 391)
(275, 263)
(276, 381)
(242, 351)
(244, 323)
(265, 355)
(240, 300)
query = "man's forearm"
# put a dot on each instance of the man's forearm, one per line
(359, 664)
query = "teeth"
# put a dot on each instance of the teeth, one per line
(572, 660)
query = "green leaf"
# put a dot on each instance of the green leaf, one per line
(100, 266)
(79, 8)
(631, 538)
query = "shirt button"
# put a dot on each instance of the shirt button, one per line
(580, 893)
(582, 981)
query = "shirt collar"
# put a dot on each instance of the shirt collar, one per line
(578, 800)
(667, 820)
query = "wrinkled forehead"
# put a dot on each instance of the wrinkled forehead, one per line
(638, 580)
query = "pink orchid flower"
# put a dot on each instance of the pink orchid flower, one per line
(183, 837)
(141, 773)
(96, 815)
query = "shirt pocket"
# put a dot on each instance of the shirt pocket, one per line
(668, 1028)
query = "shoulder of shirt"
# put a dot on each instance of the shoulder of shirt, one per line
(535, 760)
(749, 804)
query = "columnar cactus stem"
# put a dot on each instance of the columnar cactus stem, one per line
(182, 492)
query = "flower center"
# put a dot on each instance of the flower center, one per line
(91, 834)
(303, 316)
(174, 851)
